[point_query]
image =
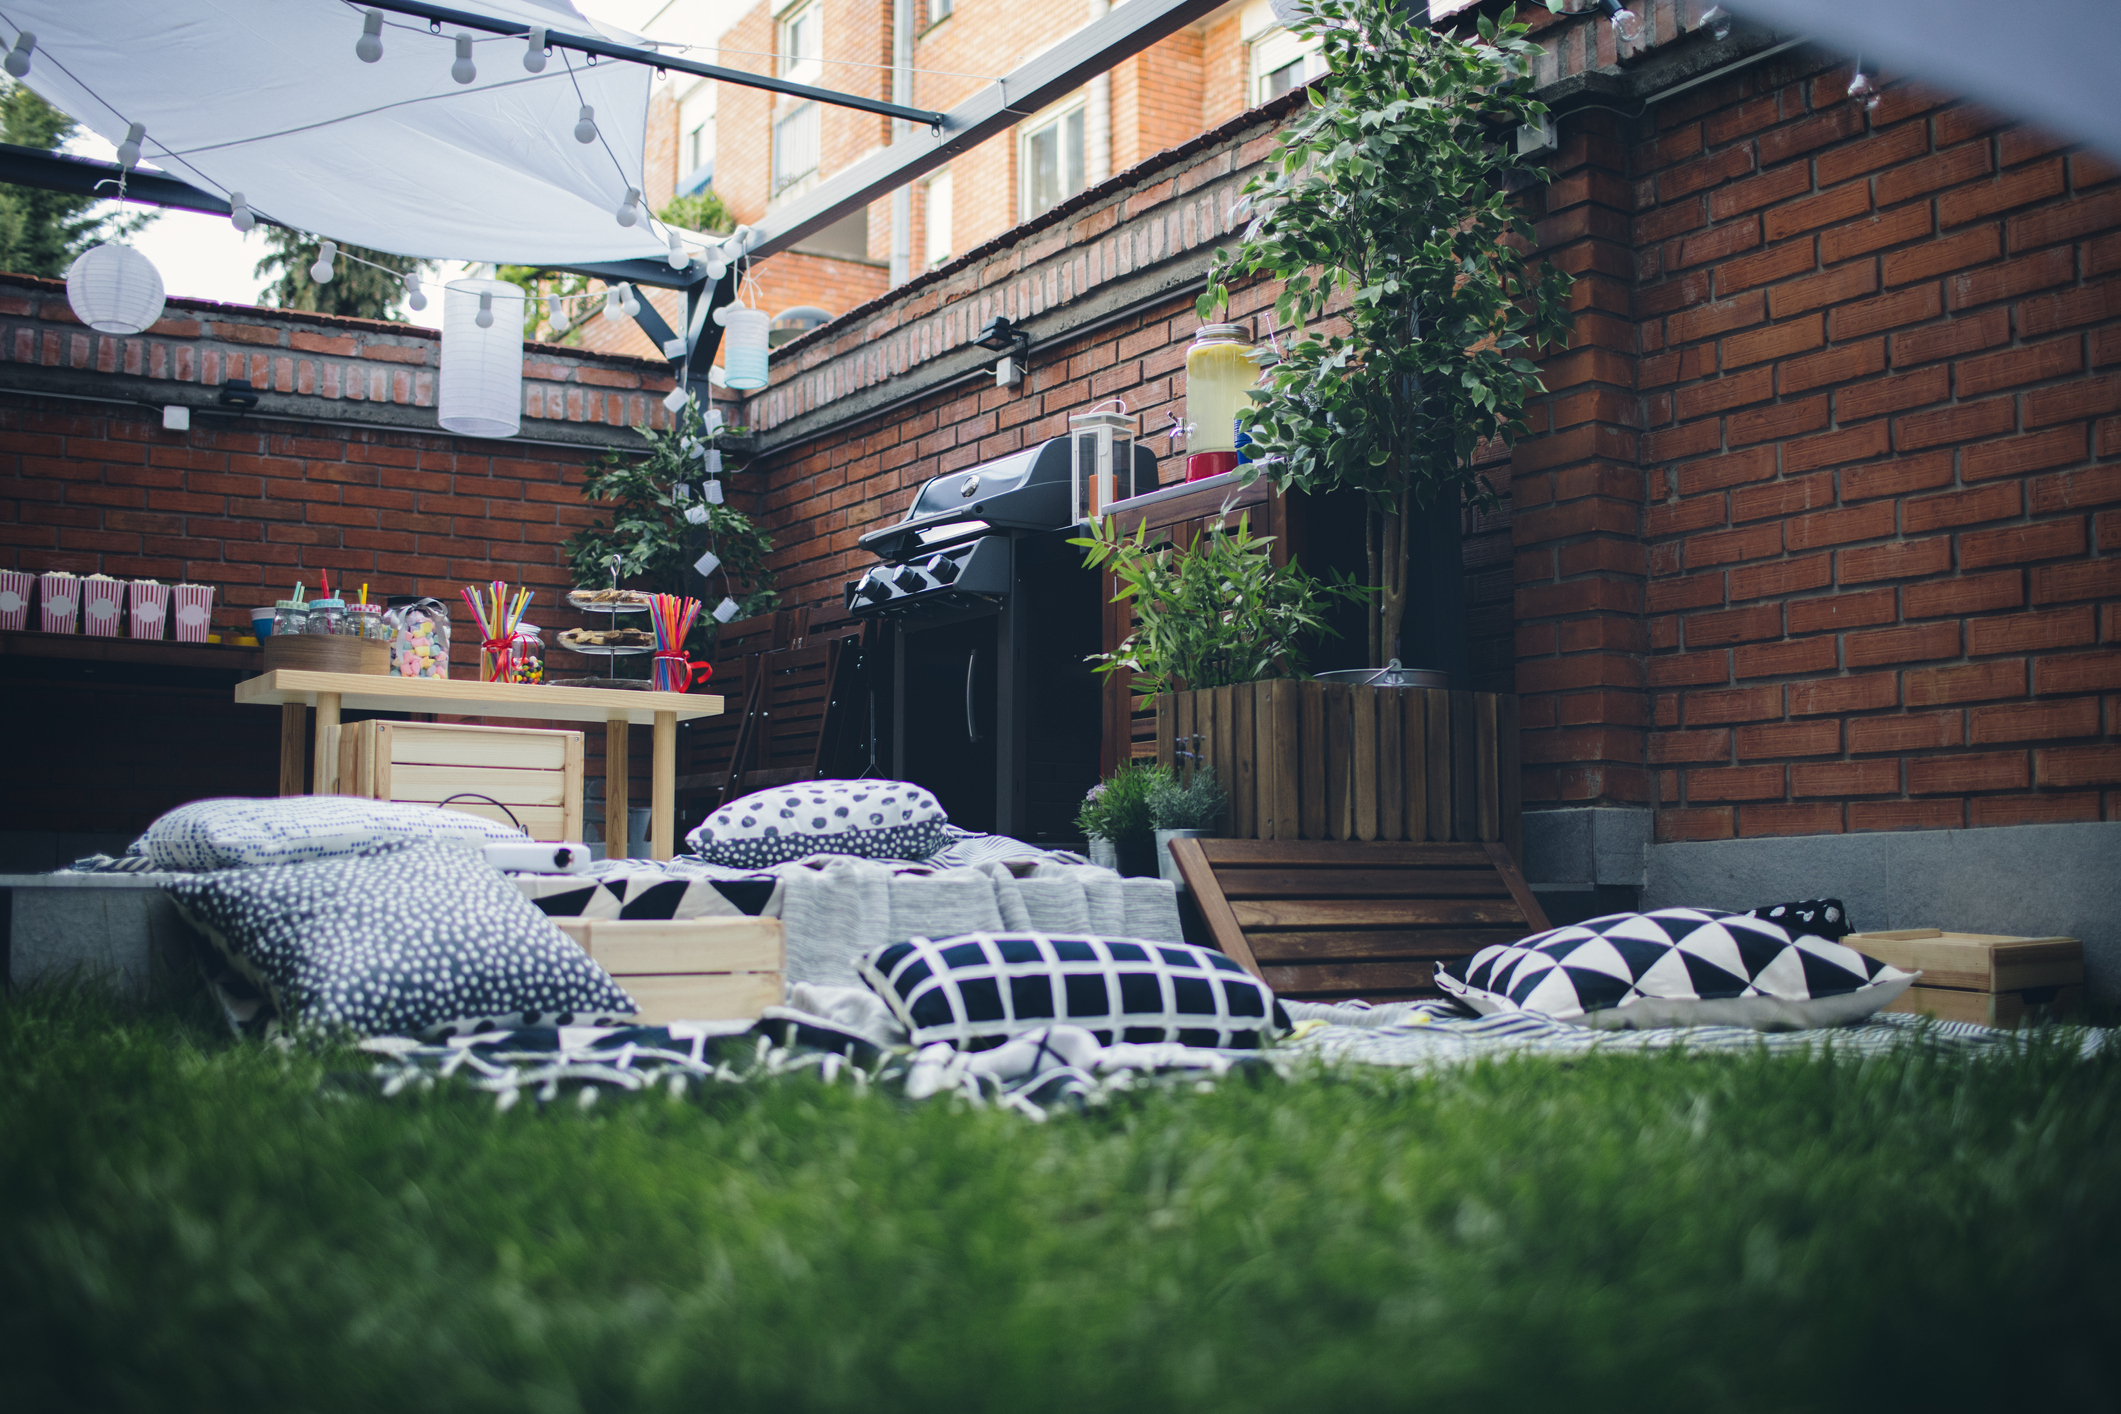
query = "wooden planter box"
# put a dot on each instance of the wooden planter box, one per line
(1989, 979)
(689, 969)
(1333, 761)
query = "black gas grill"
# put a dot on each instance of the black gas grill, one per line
(991, 618)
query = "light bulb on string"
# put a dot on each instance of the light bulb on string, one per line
(556, 313)
(369, 47)
(630, 210)
(1863, 90)
(239, 213)
(534, 54)
(715, 266)
(463, 71)
(678, 258)
(629, 302)
(611, 303)
(17, 61)
(1718, 20)
(1627, 25)
(414, 295)
(129, 150)
(321, 272)
(484, 318)
(585, 128)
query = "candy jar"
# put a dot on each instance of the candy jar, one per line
(326, 616)
(419, 637)
(366, 621)
(526, 655)
(289, 616)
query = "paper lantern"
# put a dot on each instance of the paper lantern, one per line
(481, 393)
(114, 289)
(744, 351)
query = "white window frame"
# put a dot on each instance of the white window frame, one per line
(1056, 117)
(799, 68)
(937, 193)
(786, 184)
(1273, 50)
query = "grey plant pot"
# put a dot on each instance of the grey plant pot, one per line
(1165, 867)
(1104, 853)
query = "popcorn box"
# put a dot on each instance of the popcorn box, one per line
(150, 608)
(102, 606)
(61, 596)
(15, 586)
(194, 612)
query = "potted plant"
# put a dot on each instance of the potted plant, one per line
(1392, 207)
(1184, 809)
(1115, 816)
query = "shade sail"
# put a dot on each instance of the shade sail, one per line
(2053, 62)
(267, 97)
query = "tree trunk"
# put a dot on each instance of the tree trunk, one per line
(1372, 540)
(1393, 602)
(1435, 636)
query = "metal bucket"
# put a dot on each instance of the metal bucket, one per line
(1391, 675)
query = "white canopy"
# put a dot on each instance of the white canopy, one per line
(267, 98)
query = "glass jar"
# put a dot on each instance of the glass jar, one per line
(1220, 370)
(289, 616)
(418, 630)
(526, 655)
(366, 621)
(326, 616)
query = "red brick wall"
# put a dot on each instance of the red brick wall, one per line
(1818, 535)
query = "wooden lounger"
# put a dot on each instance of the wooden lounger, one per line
(1329, 920)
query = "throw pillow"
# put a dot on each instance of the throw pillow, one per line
(241, 833)
(1675, 967)
(871, 819)
(980, 989)
(424, 939)
(1818, 917)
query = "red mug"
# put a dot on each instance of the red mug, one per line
(1201, 465)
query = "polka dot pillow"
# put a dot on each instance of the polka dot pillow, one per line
(242, 833)
(422, 939)
(871, 819)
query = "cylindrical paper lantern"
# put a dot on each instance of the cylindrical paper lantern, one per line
(744, 350)
(114, 289)
(482, 369)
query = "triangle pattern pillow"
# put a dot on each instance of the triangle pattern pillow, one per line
(1676, 967)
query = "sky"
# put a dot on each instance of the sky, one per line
(203, 257)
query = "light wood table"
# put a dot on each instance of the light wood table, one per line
(331, 693)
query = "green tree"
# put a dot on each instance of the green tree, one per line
(1390, 205)
(356, 290)
(42, 231)
(702, 211)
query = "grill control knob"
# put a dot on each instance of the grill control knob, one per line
(942, 569)
(873, 588)
(910, 580)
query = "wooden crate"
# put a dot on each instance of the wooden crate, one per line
(1336, 761)
(693, 969)
(536, 773)
(1991, 979)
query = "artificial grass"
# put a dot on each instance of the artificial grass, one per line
(191, 1223)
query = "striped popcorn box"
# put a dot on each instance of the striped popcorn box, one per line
(61, 596)
(15, 586)
(150, 608)
(102, 605)
(195, 610)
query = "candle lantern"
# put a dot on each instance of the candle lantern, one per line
(1104, 459)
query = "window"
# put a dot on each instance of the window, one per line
(1282, 61)
(939, 10)
(1051, 160)
(802, 43)
(794, 147)
(936, 248)
(695, 139)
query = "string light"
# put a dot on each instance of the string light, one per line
(534, 55)
(1718, 19)
(17, 61)
(678, 258)
(129, 150)
(585, 128)
(485, 315)
(630, 212)
(414, 295)
(321, 272)
(369, 47)
(1862, 90)
(556, 313)
(463, 71)
(715, 265)
(629, 302)
(1627, 25)
(239, 212)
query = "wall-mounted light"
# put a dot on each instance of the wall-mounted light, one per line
(1002, 335)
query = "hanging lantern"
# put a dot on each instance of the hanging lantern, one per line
(114, 289)
(744, 360)
(481, 393)
(1103, 469)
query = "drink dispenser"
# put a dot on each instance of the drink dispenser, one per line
(1221, 370)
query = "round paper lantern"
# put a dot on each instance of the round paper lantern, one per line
(481, 393)
(114, 289)
(744, 352)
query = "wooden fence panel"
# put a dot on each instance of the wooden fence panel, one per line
(1363, 728)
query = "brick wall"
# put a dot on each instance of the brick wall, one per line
(1818, 535)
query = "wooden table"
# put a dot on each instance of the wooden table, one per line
(331, 693)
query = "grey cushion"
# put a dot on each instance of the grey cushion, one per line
(239, 832)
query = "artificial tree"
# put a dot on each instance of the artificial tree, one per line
(1390, 213)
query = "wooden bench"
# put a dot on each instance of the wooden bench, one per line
(1331, 920)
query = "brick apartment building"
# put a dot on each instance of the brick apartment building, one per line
(758, 150)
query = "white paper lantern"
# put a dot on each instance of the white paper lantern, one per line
(481, 393)
(744, 352)
(114, 289)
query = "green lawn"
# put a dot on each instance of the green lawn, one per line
(190, 1223)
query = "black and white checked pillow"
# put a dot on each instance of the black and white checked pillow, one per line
(422, 939)
(238, 832)
(871, 819)
(980, 989)
(1676, 967)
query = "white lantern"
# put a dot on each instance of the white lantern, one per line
(114, 289)
(744, 352)
(1104, 459)
(481, 393)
